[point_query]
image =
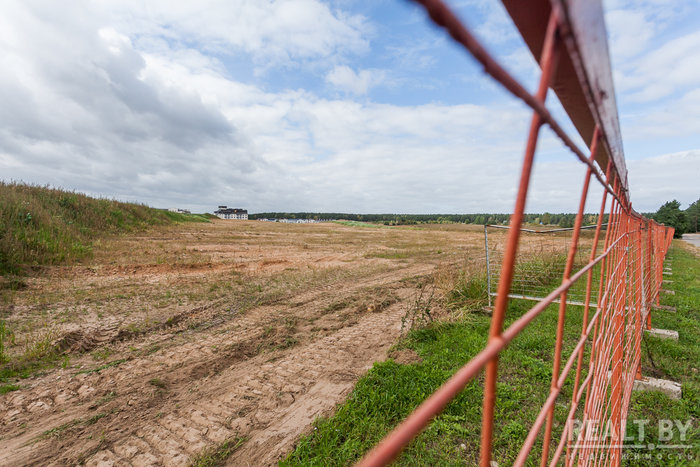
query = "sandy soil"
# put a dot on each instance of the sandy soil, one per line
(187, 337)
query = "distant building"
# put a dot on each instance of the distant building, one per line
(231, 213)
(180, 211)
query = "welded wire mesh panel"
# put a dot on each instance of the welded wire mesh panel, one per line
(540, 263)
(615, 272)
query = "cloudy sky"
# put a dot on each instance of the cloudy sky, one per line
(309, 105)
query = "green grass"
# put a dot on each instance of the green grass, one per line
(469, 293)
(59, 430)
(42, 225)
(390, 391)
(362, 224)
(157, 382)
(5, 336)
(39, 354)
(5, 388)
(103, 367)
(217, 455)
(678, 361)
(391, 255)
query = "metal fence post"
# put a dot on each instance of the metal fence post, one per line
(488, 265)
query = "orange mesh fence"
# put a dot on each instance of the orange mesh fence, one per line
(541, 261)
(622, 267)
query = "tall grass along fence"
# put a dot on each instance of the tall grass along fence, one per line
(615, 272)
(541, 261)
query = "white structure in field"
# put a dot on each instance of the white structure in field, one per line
(179, 211)
(231, 213)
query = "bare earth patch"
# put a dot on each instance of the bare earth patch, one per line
(180, 340)
(405, 356)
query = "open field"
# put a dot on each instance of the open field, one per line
(194, 340)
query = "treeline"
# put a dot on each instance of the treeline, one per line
(683, 221)
(561, 219)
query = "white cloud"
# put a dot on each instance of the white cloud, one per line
(495, 26)
(82, 108)
(673, 66)
(345, 78)
(669, 118)
(656, 63)
(418, 55)
(279, 31)
(656, 180)
(650, 60)
(630, 32)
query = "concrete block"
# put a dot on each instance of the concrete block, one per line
(670, 309)
(668, 273)
(666, 281)
(663, 333)
(670, 388)
(669, 292)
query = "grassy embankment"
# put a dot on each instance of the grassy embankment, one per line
(45, 226)
(41, 226)
(390, 391)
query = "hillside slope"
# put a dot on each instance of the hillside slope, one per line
(41, 225)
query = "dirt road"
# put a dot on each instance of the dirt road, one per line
(182, 340)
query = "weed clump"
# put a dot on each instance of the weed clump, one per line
(469, 293)
(5, 388)
(157, 382)
(5, 335)
(543, 270)
(420, 310)
(218, 454)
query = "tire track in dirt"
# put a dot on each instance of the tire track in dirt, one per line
(202, 388)
(270, 403)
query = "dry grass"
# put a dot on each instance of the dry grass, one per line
(183, 275)
(193, 275)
